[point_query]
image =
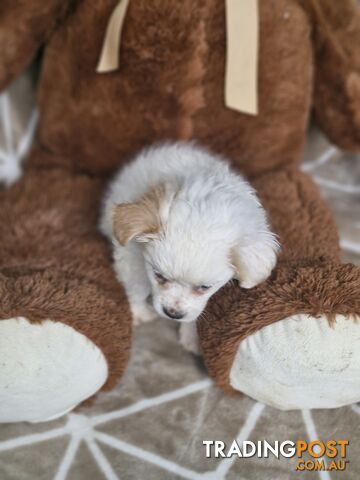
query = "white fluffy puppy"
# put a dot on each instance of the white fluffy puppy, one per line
(182, 225)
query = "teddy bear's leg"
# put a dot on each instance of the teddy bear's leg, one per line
(336, 28)
(291, 342)
(65, 324)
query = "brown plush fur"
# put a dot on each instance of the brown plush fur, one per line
(54, 264)
(24, 27)
(337, 78)
(170, 86)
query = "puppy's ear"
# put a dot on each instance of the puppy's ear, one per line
(254, 262)
(140, 220)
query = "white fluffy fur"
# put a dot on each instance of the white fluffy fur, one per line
(212, 228)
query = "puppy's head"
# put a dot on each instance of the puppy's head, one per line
(192, 249)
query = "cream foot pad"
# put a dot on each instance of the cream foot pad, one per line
(46, 370)
(301, 362)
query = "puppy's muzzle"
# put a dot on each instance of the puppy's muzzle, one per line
(172, 313)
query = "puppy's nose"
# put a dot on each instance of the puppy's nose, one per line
(172, 313)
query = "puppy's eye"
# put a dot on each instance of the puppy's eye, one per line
(202, 288)
(160, 278)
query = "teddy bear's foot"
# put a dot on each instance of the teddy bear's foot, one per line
(46, 369)
(300, 362)
(292, 342)
(62, 339)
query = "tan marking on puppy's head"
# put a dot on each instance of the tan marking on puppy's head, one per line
(139, 220)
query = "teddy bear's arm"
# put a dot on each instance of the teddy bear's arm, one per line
(336, 26)
(24, 27)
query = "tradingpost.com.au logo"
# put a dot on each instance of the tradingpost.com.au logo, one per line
(322, 454)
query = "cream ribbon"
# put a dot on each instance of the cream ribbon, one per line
(110, 52)
(242, 39)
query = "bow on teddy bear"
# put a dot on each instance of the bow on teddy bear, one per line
(240, 90)
(64, 320)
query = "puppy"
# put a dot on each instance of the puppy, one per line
(182, 225)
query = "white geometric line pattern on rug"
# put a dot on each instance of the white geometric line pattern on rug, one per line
(333, 185)
(152, 402)
(68, 458)
(33, 438)
(10, 159)
(6, 123)
(101, 460)
(312, 434)
(321, 160)
(81, 428)
(244, 434)
(149, 457)
(310, 167)
(349, 246)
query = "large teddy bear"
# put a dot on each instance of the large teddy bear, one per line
(65, 326)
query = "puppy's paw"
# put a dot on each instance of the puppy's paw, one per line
(188, 337)
(142, 313)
